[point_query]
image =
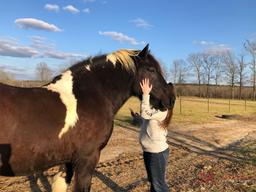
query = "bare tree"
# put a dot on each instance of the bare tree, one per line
(250, 47)
(208, 67)
(231, 71)
(218, 69)
(195, 60)
(44, 73)
(181, 69)
(174, 71)
(180, 73)
(241, 73)
(217, 72)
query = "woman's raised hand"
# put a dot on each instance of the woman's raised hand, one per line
(145, 86)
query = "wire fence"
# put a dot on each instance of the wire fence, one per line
(210, 105)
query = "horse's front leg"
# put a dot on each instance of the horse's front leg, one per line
(69, 172)
(84, 170)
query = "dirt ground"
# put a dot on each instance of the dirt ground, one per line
(218, 156)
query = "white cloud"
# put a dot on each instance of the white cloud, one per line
(71, 9)
(213, 47)
(37, 38)
(41, 43)
(86, 10)
(40, 48)
(48, 49)
(252, 37)
(14, 49)
(12, 69)
(52, 7)
(218, 49)
(203, 42)
(62, 55)
(31, 23)
(141, 23)
(17, 72)
(89, 1)
(120, 37)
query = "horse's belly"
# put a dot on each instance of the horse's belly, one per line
(19, 159)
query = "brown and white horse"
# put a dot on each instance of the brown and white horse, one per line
(70, 120)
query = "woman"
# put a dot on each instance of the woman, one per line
(153, 140)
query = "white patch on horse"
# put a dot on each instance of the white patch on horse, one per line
(88, 67)
(59, 184)
(64, 87)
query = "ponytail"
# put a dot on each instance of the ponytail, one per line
(165, 123)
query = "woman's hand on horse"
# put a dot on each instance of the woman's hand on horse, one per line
(145, 86)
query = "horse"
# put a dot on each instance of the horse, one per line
(70, 120)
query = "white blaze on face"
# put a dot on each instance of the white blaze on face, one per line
(64, 87)
(59, 184)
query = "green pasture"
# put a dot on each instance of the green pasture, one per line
(196, 110)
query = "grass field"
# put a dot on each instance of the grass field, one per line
(196, 110)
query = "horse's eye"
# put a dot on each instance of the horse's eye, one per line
(151, 69)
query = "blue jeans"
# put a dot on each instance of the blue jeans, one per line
(156, 164)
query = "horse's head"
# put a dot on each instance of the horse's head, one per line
(162, 94)
(158, 104)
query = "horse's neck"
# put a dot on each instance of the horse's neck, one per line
(113, 87)
(118, 97)
(116, 90)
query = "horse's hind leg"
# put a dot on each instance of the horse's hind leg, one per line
(84, 170)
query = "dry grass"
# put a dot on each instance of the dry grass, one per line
(195, 110)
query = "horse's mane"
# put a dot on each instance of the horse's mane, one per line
(122, 56)
(125, 57)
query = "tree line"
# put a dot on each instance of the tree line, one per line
(210, 71)
(42, 71)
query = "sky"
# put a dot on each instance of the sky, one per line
(60, 32)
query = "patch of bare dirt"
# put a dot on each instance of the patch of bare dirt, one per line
(219, 156)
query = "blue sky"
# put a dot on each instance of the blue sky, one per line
(61, 32)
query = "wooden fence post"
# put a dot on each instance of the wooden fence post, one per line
(180, 104)
(229, 105)
(208, 107)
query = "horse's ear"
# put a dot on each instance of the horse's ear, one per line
(144, 52)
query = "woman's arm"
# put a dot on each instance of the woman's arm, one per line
(150, 113)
